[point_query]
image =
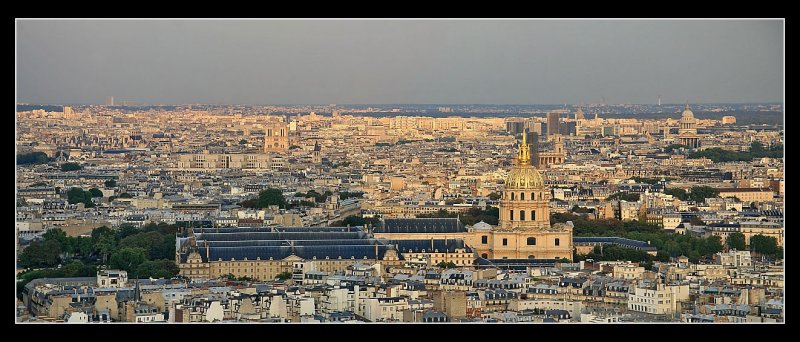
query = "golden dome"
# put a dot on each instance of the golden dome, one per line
(524, 177)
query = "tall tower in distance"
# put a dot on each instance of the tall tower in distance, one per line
(659, 100)
(109, 101)
(552, 123)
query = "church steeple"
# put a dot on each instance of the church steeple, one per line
(524, 156)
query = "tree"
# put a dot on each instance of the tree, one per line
(269, 197)
(110, 183)
(75, 195)
(765, 245)
(736, 241)
(677, 193)
(700, 193)
(630, 197)
(448, 264)
(32, 158)
(243, 142)
(157, 269)
(713, 245)
(149, 241)
(66, 167)
(104, 241)
(128, 259)
(125, 195)
(95, 192)
(41, 253)
(284, 275)
(494, 196)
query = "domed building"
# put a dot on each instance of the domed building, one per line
(687, 131)
(524, 230)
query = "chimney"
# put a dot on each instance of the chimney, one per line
(376, 251)
(208, 251)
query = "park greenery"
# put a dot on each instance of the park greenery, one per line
(448, 264)
(494, 196)
(265, 199)
(143, 252)
(78, 195)
(736, 241)
(32, 158)
(343, 195)
(110, 183)
(697, 193)
(757, 150)
(624, 196)
(66, 167)
(667, 244)
(355, 221)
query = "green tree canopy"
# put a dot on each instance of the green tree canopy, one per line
(677, 193)
(95, 192)
(66, 167)
(700, 193)
(625, 196)
(270, 197)
(765, 245)
(736, 241)
(32, 158)
(494, 196)
(128, 259)
(284, 275)
(41, 253)
(110, 183)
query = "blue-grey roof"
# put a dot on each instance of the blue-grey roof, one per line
(417, 245)
(613, 240)
(421, 225)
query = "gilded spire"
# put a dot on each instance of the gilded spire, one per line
(524, 156)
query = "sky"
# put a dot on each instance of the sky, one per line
(265, 62)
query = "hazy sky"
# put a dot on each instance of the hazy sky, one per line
(348, 62)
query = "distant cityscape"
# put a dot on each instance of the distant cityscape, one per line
(570, 213)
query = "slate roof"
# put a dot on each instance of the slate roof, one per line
(614, 240)
(417, 245)
(420, 225)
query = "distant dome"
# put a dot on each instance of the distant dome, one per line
(524, 177)
(687, 113)
(482, 225)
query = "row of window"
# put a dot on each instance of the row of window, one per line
(522, 215)
(522, 196)
(531, 241)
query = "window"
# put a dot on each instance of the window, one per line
(533, 196)
(512, 196)
(511, 212)
(533, 215)
(485, 256)
(557, 241)
(531, 257)
(522, 215)
(521, 196)
(531, 241)
(484, 239)
(505, 242)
